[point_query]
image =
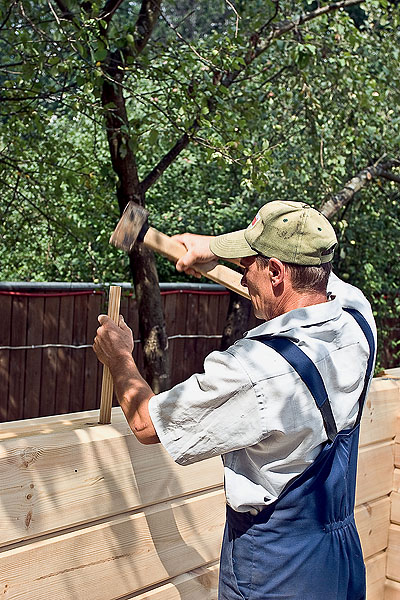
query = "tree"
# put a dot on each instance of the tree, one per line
(280, 96)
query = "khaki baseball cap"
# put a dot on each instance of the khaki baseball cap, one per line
(294, 232)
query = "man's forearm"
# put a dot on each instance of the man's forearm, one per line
(133, 394)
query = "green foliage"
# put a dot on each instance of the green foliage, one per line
(317, 106)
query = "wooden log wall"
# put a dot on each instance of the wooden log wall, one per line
(392, 590)
(87, 513)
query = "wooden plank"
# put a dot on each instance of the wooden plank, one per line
(393, 553)
(397, 454)
(119, 556)
(396, 480)
(394, 373)
(392, 590)
(78, 356)
(5, 339)
(192, 328)
(214, 325)
(133, 322)
(202, 584)
(49, 357)
(199, 584)
(372, 521)
(395, 514)
(17, 363)
(92, 365)
(67, 477)
(169, 308)
(203, 329)
(381, 407)
(66, 319)
(50, 424)
(33, 371)
(107, 384)
(181, 366)
(375, 472)
(376, 577)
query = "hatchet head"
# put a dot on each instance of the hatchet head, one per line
(131, 227)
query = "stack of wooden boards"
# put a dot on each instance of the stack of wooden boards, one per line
(87, 513)
(393, 553)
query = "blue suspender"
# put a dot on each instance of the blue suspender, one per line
(310, 375)
(371, 343)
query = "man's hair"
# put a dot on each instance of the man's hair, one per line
(305, 278)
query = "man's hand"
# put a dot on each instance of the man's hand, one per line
(112, 342)
(113, 345)
(198, 251)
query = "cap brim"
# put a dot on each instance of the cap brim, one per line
(231, 245)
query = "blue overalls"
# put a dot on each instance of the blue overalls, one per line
(304, 546)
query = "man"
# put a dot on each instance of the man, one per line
(272, 405)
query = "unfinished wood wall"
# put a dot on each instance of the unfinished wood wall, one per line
(393, 558)
(87, 513)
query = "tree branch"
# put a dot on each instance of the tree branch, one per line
(257, 46)
(148, 15)
(109, 9)
(66, 13)
(165, 163)
(338, 201)
(390, 176)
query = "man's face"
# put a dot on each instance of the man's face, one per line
(256, 279)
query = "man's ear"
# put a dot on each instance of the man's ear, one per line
(276, 270)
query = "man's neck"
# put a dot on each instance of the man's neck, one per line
(294, 300)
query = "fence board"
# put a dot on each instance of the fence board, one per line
(33, 371)
(49, 357)
(5, 340)
(92, 367)
(78, 357)
(192, 327)
(178, 367)
(17, 364)
(169, 308)
(65, 325)
(127, 552)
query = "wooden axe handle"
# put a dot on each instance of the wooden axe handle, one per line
(163, 244)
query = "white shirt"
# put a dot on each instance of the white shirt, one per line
(250, 405)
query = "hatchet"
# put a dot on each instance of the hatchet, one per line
(133, 227)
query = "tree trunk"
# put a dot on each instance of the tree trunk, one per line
(151, 318)
(237, 320)
(142, 262)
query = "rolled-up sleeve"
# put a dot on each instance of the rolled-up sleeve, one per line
(210, 413)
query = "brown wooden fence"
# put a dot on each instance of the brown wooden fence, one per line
(47, 365)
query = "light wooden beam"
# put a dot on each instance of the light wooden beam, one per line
(107, 387)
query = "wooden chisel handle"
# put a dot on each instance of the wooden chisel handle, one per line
(114, 300)
(163, 244)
